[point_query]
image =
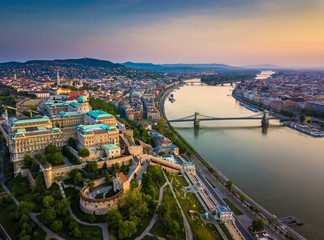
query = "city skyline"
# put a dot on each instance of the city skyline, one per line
(230, 32)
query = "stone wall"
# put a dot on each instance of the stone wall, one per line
(26, 173)
(126, 160)
(98, 206)
(59, 173)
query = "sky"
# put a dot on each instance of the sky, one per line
(235, 32)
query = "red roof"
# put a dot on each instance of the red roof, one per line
(122, 176)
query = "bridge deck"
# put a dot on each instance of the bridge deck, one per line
(217, 119)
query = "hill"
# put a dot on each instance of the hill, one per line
(179, 67)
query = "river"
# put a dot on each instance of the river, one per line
(280, 168)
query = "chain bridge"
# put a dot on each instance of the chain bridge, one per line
(196, 118)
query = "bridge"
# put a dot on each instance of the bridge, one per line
(196, 118)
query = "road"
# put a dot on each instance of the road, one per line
(247, 235)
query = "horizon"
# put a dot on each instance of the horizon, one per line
(235, 33)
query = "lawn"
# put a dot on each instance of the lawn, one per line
(234, 209)
(178, 181)
(9, 222)
(199, 228)
(21, 188)
(158, 228)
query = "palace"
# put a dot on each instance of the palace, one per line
(91, 129)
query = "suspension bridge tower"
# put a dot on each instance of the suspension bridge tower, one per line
(196, 121)
(265, 118)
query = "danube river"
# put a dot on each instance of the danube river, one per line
(280, 168)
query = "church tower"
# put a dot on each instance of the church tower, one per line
(58, 79)
(83, 105)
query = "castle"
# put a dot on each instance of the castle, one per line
(91, 128)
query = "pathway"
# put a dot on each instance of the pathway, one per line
(49, 233)
(155, 216)
(103, 226)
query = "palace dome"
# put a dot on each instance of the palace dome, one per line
(82, 99)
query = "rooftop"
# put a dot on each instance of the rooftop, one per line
(110, 146)
(25, 121)
(95, 114)
(91, 128)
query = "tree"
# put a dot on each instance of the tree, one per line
(72, 143)
(47, 215)
(242, 197)
(61, 206)
(77, 178)
(83, 152)
(28, 161)
(50, 149)
(24, 208)
(134, 183)
(229, 184)
(113, 217)
(302, 118)
(126, 229)
(257, 225)
(56, 225)
(108, 178)
(41, 158)
(55, 158)
(48, 201)
(92, 167)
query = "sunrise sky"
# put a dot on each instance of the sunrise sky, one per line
(235, 32)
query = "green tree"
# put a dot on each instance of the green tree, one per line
(113, 217)
(48, 201)
(47, 215)
(134, 183)
(84, 152)
(28, 161)
(61, 206)
(72, 143)
(126, 229)
(24, 208)
(257, 225)
(50, 149)
(108, 178)
(92, 167)
(302, 118)
(242, 197)
(41, 158)
(77, 178)
(56, 225)
(229, 184)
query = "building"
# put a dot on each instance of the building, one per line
(83, 106)
(189, 167)
(98, 116)
(42, 94)
(223, 213)
(120, 182)
(153, 114)
(96, 135)
(111, 150)
(31, 136)
(61, 91)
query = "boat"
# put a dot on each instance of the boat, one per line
(253, 109)
(242, 103)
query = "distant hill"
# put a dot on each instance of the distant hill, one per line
(263, 66)
(82, 62)
(179, 67)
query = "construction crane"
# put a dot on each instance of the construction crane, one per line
(17, 110)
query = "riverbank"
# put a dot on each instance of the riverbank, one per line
(216, 172)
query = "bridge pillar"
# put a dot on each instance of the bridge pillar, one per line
(265, 118)
(196, 121)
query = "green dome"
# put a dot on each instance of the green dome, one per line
(82, 99)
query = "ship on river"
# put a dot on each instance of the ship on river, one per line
(253, 109)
